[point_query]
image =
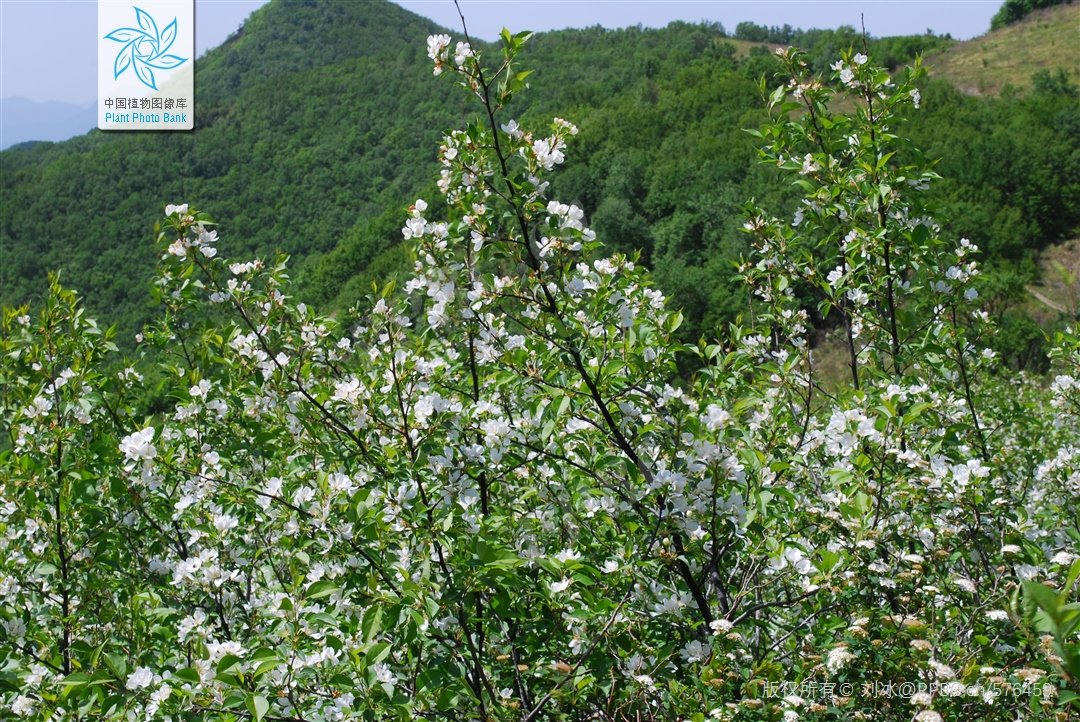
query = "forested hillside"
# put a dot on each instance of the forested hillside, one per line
(316, 124)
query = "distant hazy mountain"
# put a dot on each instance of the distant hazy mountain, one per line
(22, 120)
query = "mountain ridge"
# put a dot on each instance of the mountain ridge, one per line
(297, 35)
(22, 120)
(316, 152)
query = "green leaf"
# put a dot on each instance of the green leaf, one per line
(829, 559)
(74, 682)
(187, 675)
(547, 429)
(377, 653)
(227, 664)
(265, 653)
(1074, 574)
(257, 705)
(263, 667)
(1044, 597)
(116, 664)
(321, 589)
(372, 623)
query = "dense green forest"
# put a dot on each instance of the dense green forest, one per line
(316, 123)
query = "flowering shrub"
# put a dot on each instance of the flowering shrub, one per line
(490, 495)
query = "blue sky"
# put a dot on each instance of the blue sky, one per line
(48, 47)
(963, 18)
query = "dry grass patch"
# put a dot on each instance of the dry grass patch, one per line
(1046, 40)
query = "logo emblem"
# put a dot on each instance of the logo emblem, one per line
(145, 49)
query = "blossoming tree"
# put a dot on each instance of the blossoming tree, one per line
(490, 494)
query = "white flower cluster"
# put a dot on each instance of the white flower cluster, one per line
(438, 49)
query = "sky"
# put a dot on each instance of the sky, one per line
(60, 36)
(48, 47)
(964, 19)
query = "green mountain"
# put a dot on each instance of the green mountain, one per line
(305, 123)
(318, 123)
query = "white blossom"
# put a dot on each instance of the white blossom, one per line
(141, 677)
(138, 446)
